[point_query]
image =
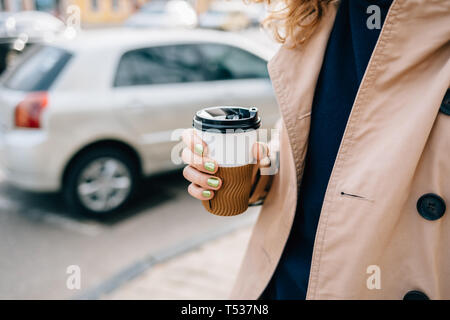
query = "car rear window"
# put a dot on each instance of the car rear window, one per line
(37, 69)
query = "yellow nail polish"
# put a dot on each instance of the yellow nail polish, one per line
(198, 149)
(210, 166)
(213, 182)
(206, 193)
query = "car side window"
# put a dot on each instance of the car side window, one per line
(223, 62)
(160, 65)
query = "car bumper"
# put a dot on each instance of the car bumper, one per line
(29, 161)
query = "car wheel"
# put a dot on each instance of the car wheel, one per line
(101, 182)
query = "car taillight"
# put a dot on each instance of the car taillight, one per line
(28, 112)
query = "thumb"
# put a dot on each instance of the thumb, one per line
(260, 151)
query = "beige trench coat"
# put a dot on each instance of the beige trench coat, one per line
(395, 149)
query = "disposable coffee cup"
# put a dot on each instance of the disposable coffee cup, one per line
(229, 133)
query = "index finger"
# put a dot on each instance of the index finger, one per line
(194, 142)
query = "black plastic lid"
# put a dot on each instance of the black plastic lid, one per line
(224, 119)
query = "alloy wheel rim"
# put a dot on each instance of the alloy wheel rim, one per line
(104, 184)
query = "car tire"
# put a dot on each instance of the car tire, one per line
(75, 178)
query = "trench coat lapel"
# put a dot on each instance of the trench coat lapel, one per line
(294, 73)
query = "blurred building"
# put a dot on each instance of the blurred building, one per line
(101, 12)
(20, 5)
(93, 12)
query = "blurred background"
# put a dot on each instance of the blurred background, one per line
(93, 96)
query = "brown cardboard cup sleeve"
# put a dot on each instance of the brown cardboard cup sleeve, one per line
(232, 198)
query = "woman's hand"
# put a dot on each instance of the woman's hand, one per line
(201, 169)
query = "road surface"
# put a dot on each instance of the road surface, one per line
(39, 239)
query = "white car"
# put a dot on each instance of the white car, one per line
(92, 115)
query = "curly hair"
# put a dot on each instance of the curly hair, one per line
(293, 19)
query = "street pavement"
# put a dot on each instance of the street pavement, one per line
(206, 272)
(39, 239)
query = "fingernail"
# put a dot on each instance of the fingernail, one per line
(206, 193)
(198, 149)
(213, 182)
(209, 166)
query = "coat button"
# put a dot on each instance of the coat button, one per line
(445, 105)
(431, 206)
(415, 295)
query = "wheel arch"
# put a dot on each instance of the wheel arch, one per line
(112, 143)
